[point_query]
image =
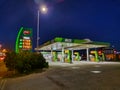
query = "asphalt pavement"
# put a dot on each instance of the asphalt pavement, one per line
(65, 76)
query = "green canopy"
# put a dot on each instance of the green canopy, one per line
(72, 44)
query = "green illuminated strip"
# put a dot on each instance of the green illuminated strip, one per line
(20, 46)
(21, 40)
(21, 43)
(17, 40)
(58, 39)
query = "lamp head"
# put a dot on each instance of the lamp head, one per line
(43, 9)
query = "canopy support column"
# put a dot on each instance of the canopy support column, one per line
(72, 56)
(51, 54)
(62, 54)
(87, 51)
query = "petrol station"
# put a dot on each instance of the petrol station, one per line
(69, 50)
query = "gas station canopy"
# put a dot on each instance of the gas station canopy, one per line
(71, 44)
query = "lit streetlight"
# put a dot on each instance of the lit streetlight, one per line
(43, 9)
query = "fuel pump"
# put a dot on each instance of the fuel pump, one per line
(54, 56)
(94, 56)
(77, 56)
(68, 56)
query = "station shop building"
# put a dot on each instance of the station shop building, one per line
(69, 50)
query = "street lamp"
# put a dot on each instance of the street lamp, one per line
(42, 9)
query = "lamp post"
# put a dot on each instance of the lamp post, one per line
(42, 9)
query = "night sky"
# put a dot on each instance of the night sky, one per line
(98, 20)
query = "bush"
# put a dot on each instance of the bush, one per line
(10, 60)
(25, 62)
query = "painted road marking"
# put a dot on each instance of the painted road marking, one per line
(96, 71)
(97, 66)
(75, 67)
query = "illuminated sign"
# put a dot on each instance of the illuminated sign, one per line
(25, 32)
(68, 40)
(24, 40)
(100, 52)
(26, 37)
(26, 44)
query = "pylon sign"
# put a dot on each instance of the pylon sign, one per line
(24, 40)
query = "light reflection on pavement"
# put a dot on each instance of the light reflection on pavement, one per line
(76, 76)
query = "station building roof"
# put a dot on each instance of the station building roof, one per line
(71, 44)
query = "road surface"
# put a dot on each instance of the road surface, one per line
(79, 76)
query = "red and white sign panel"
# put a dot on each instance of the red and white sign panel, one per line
(26, 32)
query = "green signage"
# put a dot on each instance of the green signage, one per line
(24, 40)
